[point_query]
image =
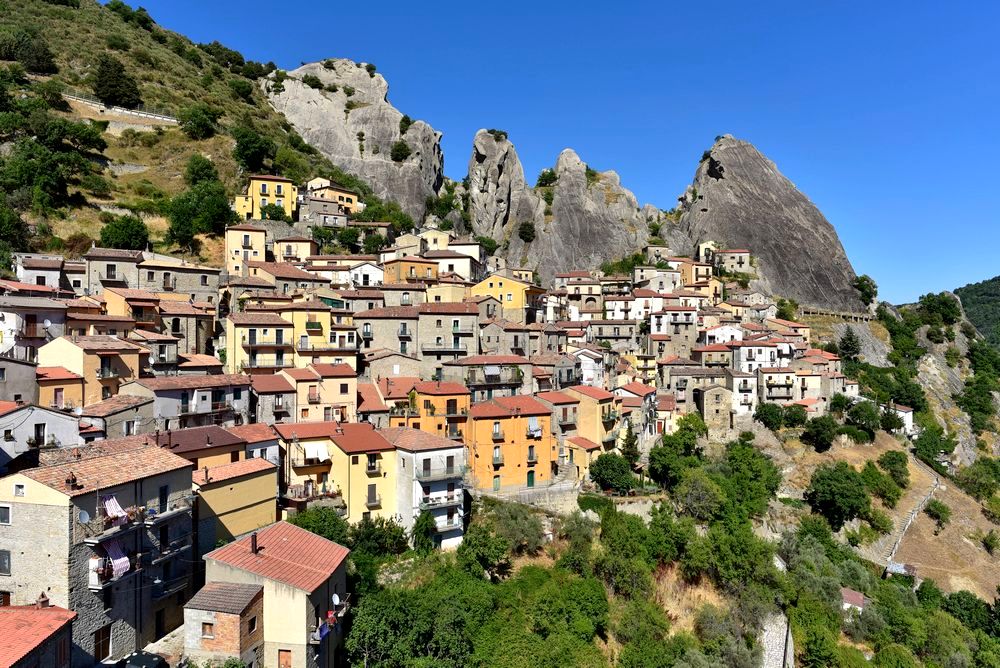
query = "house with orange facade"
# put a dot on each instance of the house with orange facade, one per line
(510, 443)
(436, 407)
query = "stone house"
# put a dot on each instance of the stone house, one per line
(680, 323)
(225, 620)
(285, 277)
(162, 359)
(559, 369)
(118, 416)
(111, 267)
(18, 380)
(191, 401)
(272, 399)
(682, 381)
(384, 363)
(714, 402)
(163, 273)
(743, 387)
(117, 522)
(39, 269)
(489, 376)
(503, 337)
(776, 384)
(403, 294)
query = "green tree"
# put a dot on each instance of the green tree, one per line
(422, 533)
(770, 415)
(125, 232)
(865, 415)
(547, 177)
(837, 492)
(895, 464)
(484, 553)
(274, 212)
(630, 445)
(698, 495)
(34, 54)
(113, 85)
(241, 89)
(325, 522)
(794, 415)
(890, 421)
(611, 471)
(820, 432)
(867, 289)
(519, 527)
(526, 231)
(939, 512)
(374, 243)
(199, 121)
(252, 149)
(488, 244)
(349, 237)
(839, 403)
(377, 537)
(400, 151)
(849, 345)
(788, 309)
(202, 209)
(199, 169)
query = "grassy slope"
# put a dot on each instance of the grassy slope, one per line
(168, 82)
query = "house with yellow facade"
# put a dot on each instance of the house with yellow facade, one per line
(103, 362)
(264, 190)
(409, 269)
(58, 387)
(324, 392)
(321, 335)
(245, 243)
(520, 301)
(326, 189)
(599, 418)
(258, 342)
(510, 443)
(294, 248)
(234, 499)
(436, 407)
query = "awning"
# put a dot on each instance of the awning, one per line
(119, 562)
(112, 507)
(317, 451)
(491, 370)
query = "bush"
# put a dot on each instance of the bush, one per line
(96, 185)
(113, 86)
(312, 81)
(498, 135)
(865, 415)
(400, 151)
(519, 527)
(199, 169)
(991, 509)
(404, 124)
(896, 465)
(837, 492)
(880, 485)
(526, 232)
(125, 232)
(611, 471)
(820, 432)
(423, 532)
(979, 480)
(241, 89)
(628, 577)
(116, 42)
(374, 243)
(879, 521)
(325, 522)
(839, 403)
(483, 553)
(794, 415)
(32, 52)
(939, 512)
(856, 435)
(202, 209)
(770, 415)
(488, 244)
(867, 288)
(252, 149)
(377, 537)
(199, 121)
(547, 177)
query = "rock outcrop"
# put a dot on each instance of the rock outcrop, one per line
(351, 122)
(740, 199)
(591, 219)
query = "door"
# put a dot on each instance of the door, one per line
(531, 478)
(161, 623)
(58, 399)
(252, 336)
(284, 658)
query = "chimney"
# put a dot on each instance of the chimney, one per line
(206, 474)
(42, 601)
(208, 440)
(253, 542)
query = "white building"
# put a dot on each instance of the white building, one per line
(364, 274)
(591, 367)
(749, 356)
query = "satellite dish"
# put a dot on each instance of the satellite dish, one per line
(78, 410)
(84, 517)
(47, 323)
(336, 599)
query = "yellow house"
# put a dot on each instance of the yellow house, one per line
(264, 190)
(516, 296)
(258, 342)
(447, 292)
(351, 461)
(510, 443)
(437, 407)
(104, 362)
(245, 243)
(320, 336)
(599, 415)
(694, 272)
(324, 392)
(436, 239)
(294, 249)
(234, 499)
(326, 189)
(409, 269)
(58, 387)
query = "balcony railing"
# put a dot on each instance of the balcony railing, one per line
(610, 437)
(169, 284)
(373, 468)
(505, 377)
(454, 434)
(33, 332)
(105, 373)
(267, 363)
(366, 334)
(373, 501)
(443, 473)
(404, 332)
(270, 342)
(449, 523)
(312, 326)
(103, 576)
(331, 347)
(440, 501)
(497, 434)
(455, 411)
(112, 278)
(313, 398)
(609, 416)
(565, 420)
(746, 388)
(444, 347)
(164, 588)
(498, 459)
(310, 492)
(532, 457)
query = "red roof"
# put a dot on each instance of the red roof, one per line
(521, 404)
(582, 442)
(287, 554)
(639, 389)
(369, 400)
(436, 387)
(335, 370)
(23, 628)
(557, 398)
(398, 387)
(256, 432)
(55, 373)
(592, 392)
(232, 470)
(359, 438)
(270, 383)
(666, 402)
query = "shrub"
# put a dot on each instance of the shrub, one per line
(939, 512)
(856, 435)
(788, 309)
(252, 149)
(404, 124)
(488, 244)
(348, 91)
(498, 135)
(526, 232)
(698, 495)
(519, 527)
(896, 465)
(116, 42)
(325, 522)
(96, 185)
(241, 89)
(198, 121)
(991, 541)
(880, 485)
(865, 415)
(837, 492)
(199, 169)
(879, 521)
(820, 432)
(628, 577)
(125, 232)
(483, 553)
(400, 151)
(839, 403)
(377, 537)
(113, 85)
(611, 471)
(370, 69)
(312, 81)
(867, 288)
(374, 243)
(770, 415)
(794, 415)
(979, 480)
(547, 177)
(991, 509)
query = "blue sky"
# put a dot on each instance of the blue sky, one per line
(883, 113)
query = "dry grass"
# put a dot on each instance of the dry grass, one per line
(682, 601)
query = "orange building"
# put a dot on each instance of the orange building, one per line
(410, 269)
(438, 407)
(510, 443)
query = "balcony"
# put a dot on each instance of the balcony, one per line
(313, 398)
(104, 528)
(310, 492)
(170, 549)
(267, 363)
(373, 502)
(331, 347)
(105, 373)
(566, 420)
(374, 468)
(165, 358)
(461, 329)
(449, 524)
(444, 347)
(532, 457)
(313, 327)
(454, 411)
(497, 435)
(745, 388)
(198, 408)
(165, 588)
(785, 382)
(454, 434)
(443, 473)
(610, 416)
(366, 334)
(505, 377)
(441, 501)
(114, 279)
(404, 332)
(611, 437)
(246, 244)
(498, 459)
(179, 507)
(33, 332)
(257, 342)
(169, 284)
(103, 576)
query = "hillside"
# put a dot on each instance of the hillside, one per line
(981, 302)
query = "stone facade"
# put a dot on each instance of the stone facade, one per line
(19, 382)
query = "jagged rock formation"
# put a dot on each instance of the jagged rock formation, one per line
(740, 199)
(356, 132)
(591, 219)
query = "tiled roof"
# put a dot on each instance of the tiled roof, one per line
(287, 554)
(437, 387)
(335, 370)
(592, 392)
(582, 442)
(195, 439)
(163, 383)
(557, 398)
(287, 271)
(306, 374)
(390, 312)
(521, 404)
(113, 254)
(255, 432)
(197, 360)
(104, 343)
(55, 373)
(397, 387)
(41, 263)
(232, 470)
(369, 400)
(449, 308)
(258, 318)
(666, 402)
(639, 389)
(146, 335)
(23, 628)
(110, 470)
(270, 383)
(115, 404)
(129, 294)
(226, 597)
(416, 440)
(359, 438)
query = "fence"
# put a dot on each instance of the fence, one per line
(141, 111)
(842, 315)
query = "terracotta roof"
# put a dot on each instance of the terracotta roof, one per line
(397, 387)
(258, 318)
(369, 400)
(110, 470)
(146, 335)
(227, 597)
(113, 253)
(481, 360)
(666, 402)
(41, 263)
(639, 389)
(287, 554)
(55, 373)
(232, 470)
(270, 383)
(390, 312)
(195, 439)
(159, 383)
(255, 432)
(713, 348)
(303, 305)
(582, 442)
(197, 360)
(449, 308)
(115, 404)
(23, 628)
(286, 270)
(787, 323)
(359, 438)
(335, 370)
(416, 440)
(104, 343)
(592, 392)
(521, 404)
(306, 374)
(436, 387)
(556, 398)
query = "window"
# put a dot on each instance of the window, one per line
(204, 279)
(279, 189)
(4, 514)
(8, 434)
(4, 562)
(354, 459)
(237, 393)
(150, 275)
(163, 495)
(102, 643)
(252, 624)
(18, 490)
(343, 388)
(510, 297)
(263, 189)
(207, 630)
(77, 283)
(4, 598)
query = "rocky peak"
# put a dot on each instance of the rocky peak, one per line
(740, 199)
(351, 122)
(497, 187)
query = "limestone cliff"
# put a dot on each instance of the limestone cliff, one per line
(591, 218)
(740, 199)
(351, 122)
